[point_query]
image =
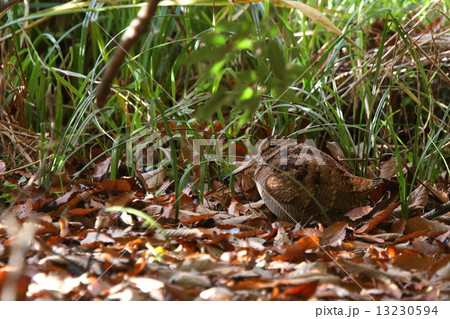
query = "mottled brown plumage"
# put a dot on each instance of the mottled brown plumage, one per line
(300, 183)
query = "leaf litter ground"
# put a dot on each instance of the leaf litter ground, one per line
(77, 245)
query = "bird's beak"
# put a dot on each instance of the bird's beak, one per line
(246, 165)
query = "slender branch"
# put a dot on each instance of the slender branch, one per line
(137, 27)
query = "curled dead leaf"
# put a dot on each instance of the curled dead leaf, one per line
(296, 251)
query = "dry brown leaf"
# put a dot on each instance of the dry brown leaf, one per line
(418, 223)
(443, 196)
(304, 291)
(126, 218)
(100, 169)
(282, 238)
(199, 262)
(190, 279)
(23, 208)
(334, 234)
(364, 270)
(63, 199)
(43, 227)
(155, 288)
(95, 237)
(217, 294)
(82, 211)
(236, 208)
(419, 197)
(309, 232)
(412, 260)
(443, 271)
(388, 236)
(248, 186)
(114, 185)
(377, 219)
(358, 212)
(422, 246)
(154, 178)
(398, 226)
(369, 238)
(122, 200)
(250, 233)
(234, 220)
(63, 227)
(103, 220)
(297, 250)
(195, 219)
(60, 178)
(415, 234)
(74, 201)
(248, 284)
(387, 168)
(442, 237)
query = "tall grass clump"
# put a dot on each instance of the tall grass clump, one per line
(376, 85)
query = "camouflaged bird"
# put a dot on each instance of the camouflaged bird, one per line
(300, 183)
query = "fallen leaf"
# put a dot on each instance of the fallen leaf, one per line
(358, 212)
(217, 294)
(195, 219)
(412, 260)
(377, 219)
(296, 251)
(305, 291)
(82, 211)
(334, 234)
